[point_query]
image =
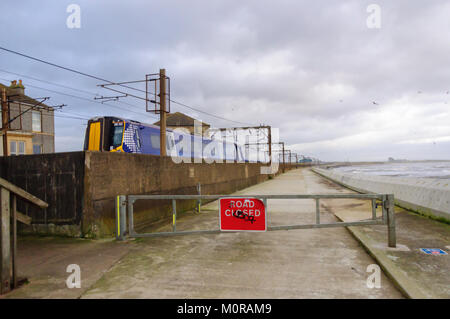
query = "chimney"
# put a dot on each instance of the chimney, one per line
(16, 88)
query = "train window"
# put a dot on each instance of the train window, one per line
(117, 135)
(138, 138)
(154, 139)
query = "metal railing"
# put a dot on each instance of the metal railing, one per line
(126, 203)
(9, 216)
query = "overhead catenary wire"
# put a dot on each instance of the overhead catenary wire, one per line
(86, 99)
(48, 82)
(122, 102)
(216, 116)
(66, 114)
(70, 95)
(63, 67)
(111, 82)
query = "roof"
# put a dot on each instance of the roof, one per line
(180, 119)
(22, 97)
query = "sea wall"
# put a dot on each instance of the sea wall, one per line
(423, 195)
(110, 174)
(81, 187)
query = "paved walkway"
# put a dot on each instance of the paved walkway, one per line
(311, 263)
(44, 260)
(417, 274)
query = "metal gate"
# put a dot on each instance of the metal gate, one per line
(126, 203)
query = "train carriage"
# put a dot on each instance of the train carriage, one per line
(112, 134)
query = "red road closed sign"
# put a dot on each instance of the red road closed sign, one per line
(242, 214)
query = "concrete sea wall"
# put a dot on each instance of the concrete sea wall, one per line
(423, 195)
(110, 174)
(81, 187)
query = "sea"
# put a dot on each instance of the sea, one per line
(425, 169)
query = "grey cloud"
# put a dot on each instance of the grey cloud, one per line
(313, 69)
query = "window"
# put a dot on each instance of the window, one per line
(37, 149)
(117, 135)
(13, 148)
(21, 147)
(154, 139)
(138, 138)
(36, 121)
(17, 147)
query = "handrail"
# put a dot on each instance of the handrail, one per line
(8, 244)
(289, 196)
(22, 193)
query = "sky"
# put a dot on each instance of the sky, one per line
(341, 80)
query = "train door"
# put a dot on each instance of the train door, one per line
(95, 136)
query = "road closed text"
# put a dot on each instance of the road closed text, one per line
(242, 208)
(242, 214)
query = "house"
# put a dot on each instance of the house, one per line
(32, 125)
(180, 120)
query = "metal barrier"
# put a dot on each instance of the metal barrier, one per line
(387, 204)
(9, 216)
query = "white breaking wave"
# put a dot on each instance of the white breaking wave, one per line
(407, 169)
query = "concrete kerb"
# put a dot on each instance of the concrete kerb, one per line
(403, 283)
(408, 288)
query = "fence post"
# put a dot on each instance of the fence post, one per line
(317, 211)
(14, 241)
(174, 215)
(199, 201)
(130, 203)
(120, 217)
(384, 208)
(392, 241)
(374, 209)
(267, 211)
(5, 242)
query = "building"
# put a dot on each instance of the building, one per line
(32, 125)
(180, 120)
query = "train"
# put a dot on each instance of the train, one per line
(113, 134)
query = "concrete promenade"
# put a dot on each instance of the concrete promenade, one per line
(308, 263)
(312, 263)
(417, 274)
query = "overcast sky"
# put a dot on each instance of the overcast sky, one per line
(336, 89)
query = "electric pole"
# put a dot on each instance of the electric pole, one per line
(270, 145)
(5, 121)
(162, 111)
